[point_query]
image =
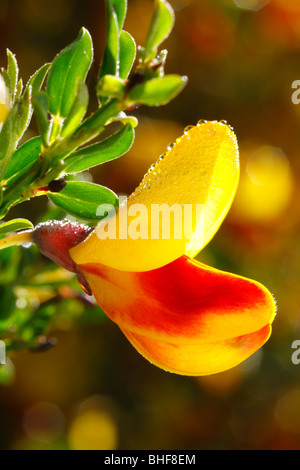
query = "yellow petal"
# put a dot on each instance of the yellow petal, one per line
(197, 179)
(199, 359)
(4, 101)
(3, 113)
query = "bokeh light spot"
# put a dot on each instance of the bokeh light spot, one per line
(266, 185)
(44, 422)
(93, 430)
(253, 5)
(287, 411)
(268, 167)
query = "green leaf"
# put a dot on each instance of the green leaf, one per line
(40, 105)
(22, 159)
(68, 69)
(19, 89)
(89, 129)
(95, 123)
(37, 79)
(14, 225)
(8, 140)
(24, 113)
(127, 54)
(83, 199)
(161, 25)
(158, 91)
(13, 128)
(77, 112)
(115, 16)
(110, 60)
(120, 7)
(113, 147)
(13, 72)
(111, 86)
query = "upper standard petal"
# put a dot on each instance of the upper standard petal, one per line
(198, 175)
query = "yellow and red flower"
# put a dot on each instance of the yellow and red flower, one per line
(181, 315)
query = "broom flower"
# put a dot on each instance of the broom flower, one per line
(181, 315)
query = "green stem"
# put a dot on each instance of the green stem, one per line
(16, 239)
(14, 193)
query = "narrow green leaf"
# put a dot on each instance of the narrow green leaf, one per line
(8, 140)
(40, 105)
(19, 89)
(68, 69)
(77, 112)
(22, 160)
(16, 224)
(161, 25)
(127, 54)
(159, 91)
(113, 147)
(13, 71)
(83, 199)
(94, 124)
(111, 86)
(24, 113)
(110, 60)
(120, 7)
(6, 134)
(37, 79)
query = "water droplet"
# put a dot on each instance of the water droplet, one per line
(26, 245)
(170, 146)
(223, 122)
(201, 121)
(187, 129)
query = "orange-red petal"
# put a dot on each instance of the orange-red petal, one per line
(185, 310)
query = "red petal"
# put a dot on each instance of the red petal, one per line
(184, 302)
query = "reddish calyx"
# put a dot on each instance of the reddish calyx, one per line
(54, 240)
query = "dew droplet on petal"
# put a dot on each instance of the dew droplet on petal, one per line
(170, 146)
(187, 129)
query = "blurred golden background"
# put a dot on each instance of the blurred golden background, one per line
(93, 391)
